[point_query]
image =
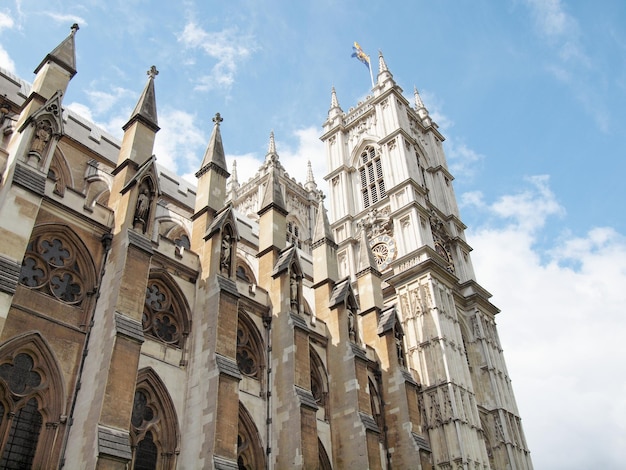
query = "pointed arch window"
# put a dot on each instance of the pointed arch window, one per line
(52, 265)
(371, 177)
(30, 404)
(249, 348)
(154, 425)
(293, 234)
(250, 453)
(164, 314)
(377, 405)
(319, 383)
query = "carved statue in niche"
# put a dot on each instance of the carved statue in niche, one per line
(43, 132)
(142, 209)
(399, 347)
(293, 290)
(225, 252)
(351, 324)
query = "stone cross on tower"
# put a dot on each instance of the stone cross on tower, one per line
(153, 72)
(217, 119)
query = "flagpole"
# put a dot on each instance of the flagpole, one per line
(369, 66)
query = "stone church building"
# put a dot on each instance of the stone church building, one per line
(146, 323)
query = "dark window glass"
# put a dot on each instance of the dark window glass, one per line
(22, 441)
(146, 457)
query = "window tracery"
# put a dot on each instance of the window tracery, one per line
(249, 353)
(319, 382)
(51, 265)
(162, 318)
(293, 234)
(30, 397)
(250, 453)
(153, 424)
(371, 177)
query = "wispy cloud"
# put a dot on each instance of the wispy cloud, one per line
(180, 144)
(6, 21)
(227, 47)
(573, 67)
(552, 311)
(65, 18)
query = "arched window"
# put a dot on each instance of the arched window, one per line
(154, 425)
(250, 453)
(31, 404)
(55, 263)
(371, 175)
(293, 234)
(165, 312)
(250, 358)
(377, 406)
(324, 461)
(319, 383)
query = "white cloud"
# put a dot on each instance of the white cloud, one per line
(6, 22)
(103, 101)
(463, 161)
(562, 327)
(5, 60)
(226, 46)
(309, 149)
(82, 110)
(180, 144)
(247, 165)
(66, 18)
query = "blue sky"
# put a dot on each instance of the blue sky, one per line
(530, 94)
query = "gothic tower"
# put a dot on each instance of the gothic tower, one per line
(389, 185)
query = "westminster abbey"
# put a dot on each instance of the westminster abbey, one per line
(146, 323)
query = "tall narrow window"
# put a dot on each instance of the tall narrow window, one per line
(23, 436)
(371, 176)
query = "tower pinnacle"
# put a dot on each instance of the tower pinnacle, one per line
(145, 110)
(421, 109)
(310, 184)
(214, 156)
(384, 75)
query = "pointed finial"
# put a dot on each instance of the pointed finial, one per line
(271, 149)
(333, 99)
(234, 181)
(74, 28)
(233, 174)
(382, 66)
(418, 100)
(153, 72)
(309, 173)
(217, 119)
(310, 184)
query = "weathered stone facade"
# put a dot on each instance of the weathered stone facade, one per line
(145, 323)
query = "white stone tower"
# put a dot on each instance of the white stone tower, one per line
(388, 176)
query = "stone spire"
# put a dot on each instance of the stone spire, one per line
(382, 65)
(421, 109)
(367, 262)
(310, 184)
(322, 232)
(384, 74)
(214, 155)
(140, 130)
(57, 69)
(234, 181)
(273, 197)
(64, 54)
(145, 110)
(213, 173)
(271, 149)
(325, 265)
(335, 109)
